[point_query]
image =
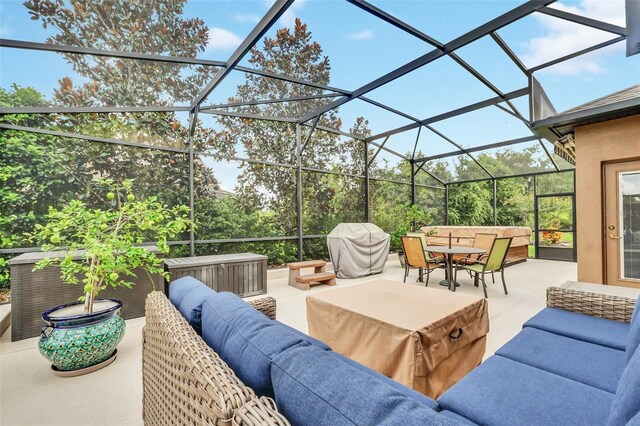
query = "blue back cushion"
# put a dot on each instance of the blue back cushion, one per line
(245, 339)
(315, 387)
(191, 306)
(408, 392)
(626, 403)
(311, 340)
(180, 287)
(633, 341)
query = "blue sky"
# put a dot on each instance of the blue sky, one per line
(362, 48)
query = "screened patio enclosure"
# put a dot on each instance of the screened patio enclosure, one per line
(262, 145)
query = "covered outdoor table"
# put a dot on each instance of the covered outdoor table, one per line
(426, 339)
(358, 249)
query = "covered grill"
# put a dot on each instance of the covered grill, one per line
(358, 249)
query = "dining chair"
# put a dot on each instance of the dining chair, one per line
(494, 261)
(482, 241)
(431, 257)
(416, 258)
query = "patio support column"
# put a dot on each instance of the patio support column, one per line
(299, 187)
(367, 208)
(193, 116)
(413, 182)
(495, 202)
(446, 204)
(535, 214)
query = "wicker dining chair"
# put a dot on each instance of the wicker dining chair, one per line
(416, 258)
(493, 262)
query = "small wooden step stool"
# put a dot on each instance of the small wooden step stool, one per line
(303, 282)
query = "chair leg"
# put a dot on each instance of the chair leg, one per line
(493, 278)
(476, 278)
(406, 273)
(504, 284)
(484, 287)
(428, 275)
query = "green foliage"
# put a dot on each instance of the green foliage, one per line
(408, 217)
(156, 27)
(471, 204)
(107, 238)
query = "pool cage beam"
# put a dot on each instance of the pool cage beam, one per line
(578, 53)
(469, 37)
(274, 13)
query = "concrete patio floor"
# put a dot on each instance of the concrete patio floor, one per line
(30, 394)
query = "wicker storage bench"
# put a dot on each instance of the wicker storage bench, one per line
(244, 274)
(33, 292)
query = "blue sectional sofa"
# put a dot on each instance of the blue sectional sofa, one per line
(563, 368)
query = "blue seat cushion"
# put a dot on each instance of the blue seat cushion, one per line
(408, 392)
(457, 417)
(315, 387)
(505, 392)
(180, 287)
(583, 327)
(245, 339)
(593, 365)
(626, 404)
(191, 306)
(311, 340)
(633, 340)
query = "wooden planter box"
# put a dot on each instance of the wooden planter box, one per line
(33, 292)
(244, 274)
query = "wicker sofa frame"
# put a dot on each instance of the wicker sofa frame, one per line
(185, 382)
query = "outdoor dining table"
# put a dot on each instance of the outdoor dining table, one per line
(449, 252)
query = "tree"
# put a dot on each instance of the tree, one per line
(155, 27)
(38, 171)
(327, 199)
(470, 204)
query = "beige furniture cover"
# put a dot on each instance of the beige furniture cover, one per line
(357, 249)
(463, 235)
(403, 331)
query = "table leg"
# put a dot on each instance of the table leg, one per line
(448, 281)
(452, 283)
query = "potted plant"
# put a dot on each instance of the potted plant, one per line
(96, 248)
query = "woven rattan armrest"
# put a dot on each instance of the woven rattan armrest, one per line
(184, 380)
(259, 412)
(266, 305)
(615, 308)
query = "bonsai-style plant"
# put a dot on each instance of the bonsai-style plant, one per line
(100, 248)
(107, 238)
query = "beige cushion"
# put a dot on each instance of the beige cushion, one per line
(464, 235)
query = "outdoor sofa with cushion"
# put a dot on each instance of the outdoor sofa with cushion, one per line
(564, 368)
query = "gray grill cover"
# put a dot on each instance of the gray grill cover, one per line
(358, 249)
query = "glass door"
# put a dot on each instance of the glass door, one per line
(629, 198)
(622, 223)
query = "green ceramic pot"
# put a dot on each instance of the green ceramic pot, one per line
(74, 341)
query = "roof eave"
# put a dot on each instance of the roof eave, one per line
(548, 128)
